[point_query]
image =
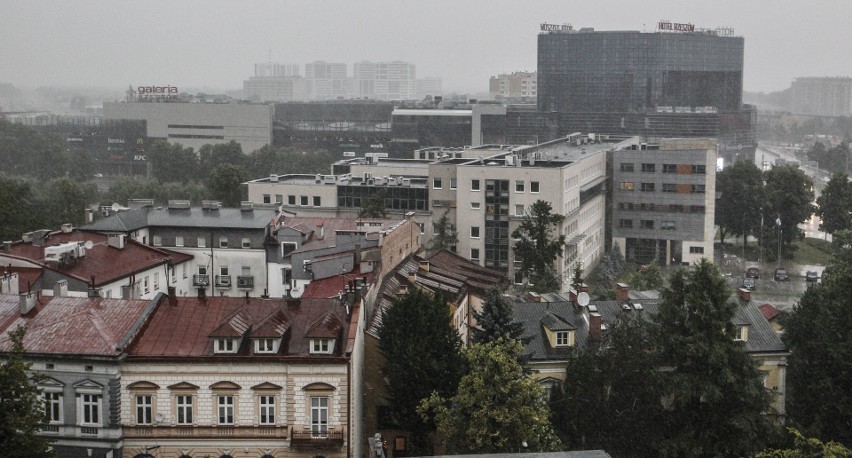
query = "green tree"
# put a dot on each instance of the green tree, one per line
(496, 319)
(805, 447)
(374, 206)
(607, 274)
(212, 156)
(226, 184)
(713, 392)
(445, 236)
(789, 196)
(172, 162)
(647, 278)
(738, 209)
(422, 354)
(538, 247)
(65, 201)
(497, 407)
(22, 414)
(18, 209)
(611, 395)
(835, 204)
(818, 332)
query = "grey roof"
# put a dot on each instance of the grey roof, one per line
(137, 218)
(761, 337)
(534, 315)
(574, 454)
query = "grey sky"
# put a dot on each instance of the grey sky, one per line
(215, 43)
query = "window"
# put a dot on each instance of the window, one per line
(223, 242)
(319, 415)
(625, 223)
(183, 409)
(474, 254)
(224, 271)
(264, 346)
(668, 225)
(53, 406)
(225, 345)
(266, 409)
(226, 409)
(266, 199)
(649, 168)
(669, 187)
(519, 210)
(562, 339)
(626, 186)
(321, 346)
(179, 240)
(474, 232)
(287, 248)
(144, 409)
(156, 281)
(183, 270)
(474, 185)
(696, 208)
(90, 414)
(291, 200)
(698, 189)
(317, 201)
(647, 187)
(422, 227)
(475, 205)
(303, 201)
(699, 169)
(157, 240)
(534, 188)
(646, 224)
(696, 250)
(669, 168)
(202, 242)
(741, 332)
(246, 243)
(453, 183)
(626, 167)
(519, 186)
(436, 183)
(279, 199)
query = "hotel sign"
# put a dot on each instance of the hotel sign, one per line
(555, 27)
(675, 27)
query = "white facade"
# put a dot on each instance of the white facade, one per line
(326, 80)
(384, 80)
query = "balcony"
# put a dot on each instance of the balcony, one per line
(245, 282)
(201, 280)
(306, 438)
(205, 432)
(223, 281)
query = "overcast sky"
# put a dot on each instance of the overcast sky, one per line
(214, 43)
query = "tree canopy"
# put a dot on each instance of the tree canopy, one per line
(497, 409)
(835, 204)
(496, 319)
(789, 196)
(374, 206)
(537, 247)
(738, 209)
(444, 235)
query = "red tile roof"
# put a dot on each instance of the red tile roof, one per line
(73, 325)
(27, 276)
(332, 286)
(769, 311)
(184, 329)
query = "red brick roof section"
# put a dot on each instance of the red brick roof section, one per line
(102, 262)
(769, 311)
(184, 329)
(72, 325)
(332, 286)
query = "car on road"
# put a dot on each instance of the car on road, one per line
(753, 272)
(811, 276)
(781, 274)
(749, 283)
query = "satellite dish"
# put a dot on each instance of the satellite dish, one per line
(296, 293)
(88, 245)
(116, 207)
(583, 299)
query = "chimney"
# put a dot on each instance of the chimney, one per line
(621, 292)
(172, 295)
(40, 236)
(320, 223)
(424, 265)
(595, 326)
(584, 288)
(412, 277)
(116, 241)
(67, 228)
(357, 260)
(7, 246)
(27, 302)
(27, 237)
(745, 294)
(9, 283)
(60, 288)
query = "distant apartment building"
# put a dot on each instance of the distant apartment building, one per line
(275, 83)
(197, 124)
(271, 69)
(326, 80)
(663, 199)
(821, 96)
(384, 80)
(517, 85)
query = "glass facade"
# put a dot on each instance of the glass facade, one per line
(497, 224)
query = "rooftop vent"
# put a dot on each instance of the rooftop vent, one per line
(178, 204)
(246, 205)
(211, 204)
(273, 178)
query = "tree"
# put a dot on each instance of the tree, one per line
(22, 413)
(445, 236)
(607, 273)
(818, 332)
(611, 395)
(807, 447)
(17, 207)
(713, 392)
(835, 204)
(496, 320)
(226, 184)
(647, 278)
(789, 193)
(738, 209)
(538, 248)
(172, 162)
(422, 353)
(374, 206)
(497, 407)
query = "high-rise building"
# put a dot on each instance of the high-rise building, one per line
(384, 80)
(684, 83)
(270, 69)
(517, 85)
(821, 96)
(326, 80)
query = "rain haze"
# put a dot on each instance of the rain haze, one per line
(214, 44)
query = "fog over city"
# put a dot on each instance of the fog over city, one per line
(214, 44)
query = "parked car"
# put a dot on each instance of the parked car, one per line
(749, 283)
(811, 276)
(753, 272)
(781, 274)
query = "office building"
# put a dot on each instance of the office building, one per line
(275, 70)
(821, 96)
(516, 85)
(326, 80)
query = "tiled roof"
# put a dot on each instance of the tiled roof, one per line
(138, 218)
(234, 325)
(328, 326)
(102, 263)
(125, 221)
(761, 337)
(27, 276)
(332, 286)
(769, 311)
(275, 325)
(182, 328)
(562, 315)
(311, 228)
(74, 325)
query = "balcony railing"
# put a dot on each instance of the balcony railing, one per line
(205, 432)
(223, 281)
(245, 282)
(200, 280)
(306, 437)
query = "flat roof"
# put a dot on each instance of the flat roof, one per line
(430, 112)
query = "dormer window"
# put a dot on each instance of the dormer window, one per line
(741, 333)
(562, 339)
(266, 345)
(226, 345)
(322, 346)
